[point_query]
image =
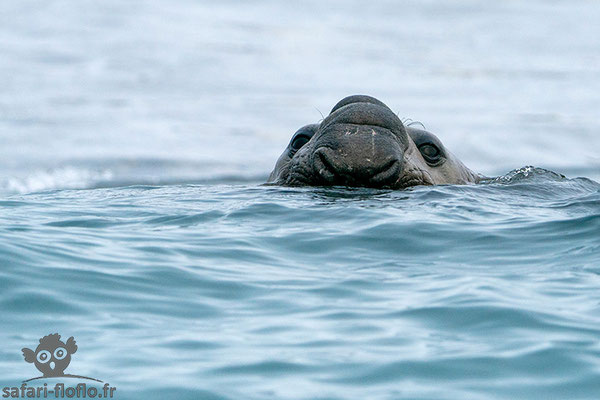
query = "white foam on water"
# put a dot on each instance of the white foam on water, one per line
(59, 178)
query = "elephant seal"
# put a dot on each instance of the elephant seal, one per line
(362, 143)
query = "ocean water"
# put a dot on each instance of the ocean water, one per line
(135, 138)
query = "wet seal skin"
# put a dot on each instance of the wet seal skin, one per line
(363, 143)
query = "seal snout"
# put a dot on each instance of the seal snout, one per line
(337, 167)
(361, 143)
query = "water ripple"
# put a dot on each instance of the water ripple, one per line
(227, 291)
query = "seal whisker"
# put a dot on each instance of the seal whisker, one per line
(411, 123)
(322, 116)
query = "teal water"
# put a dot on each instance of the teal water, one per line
(236, 291)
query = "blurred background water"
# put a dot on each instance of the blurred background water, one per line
(112, 92)
(135, 135)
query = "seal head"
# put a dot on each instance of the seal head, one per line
(362, 143)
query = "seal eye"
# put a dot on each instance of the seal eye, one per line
(44, 356)
(298, 142)
(431, 153)
(60, 353)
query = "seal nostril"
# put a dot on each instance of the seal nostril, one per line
(388, 173)
(323, 165)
